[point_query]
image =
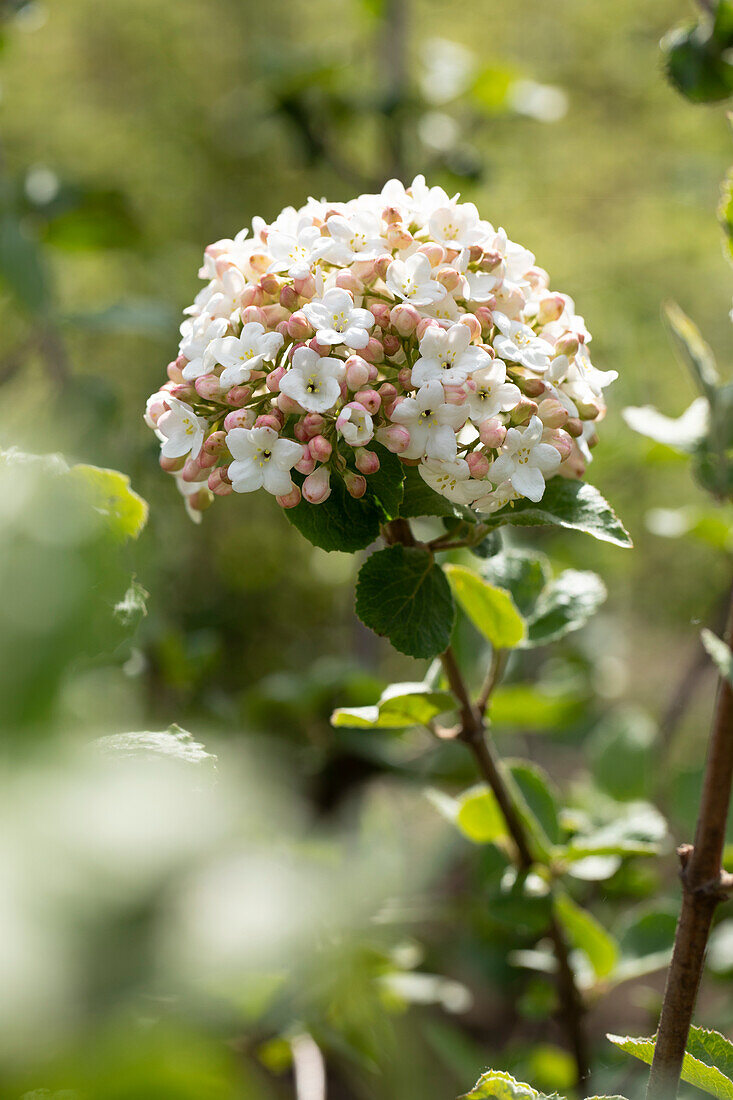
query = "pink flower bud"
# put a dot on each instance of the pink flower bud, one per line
(560, 440)
(317, 486)
(485, 318)
(423, 326)
(523, 411)
(391, 215)
(307, 463)
(215, 443)
(206, 461)
(588, 410)
(321, 349)
(320, 448)
(171, 465)
(405, 378)
(200, 501)
(239, 418)
(305, 286)
(367, 462)
(391, 343)
(219, 482)
(550, 308)
(552, 413)
(208, 386)
(538, 278)
(252, 313)
(357, 372)
(387, 392)
(529, 384)
(271, 284)
(299, 327)
(191, 470)
(174, 372)
(455, 395)
(374, 351)
(448, 277)
(574, 466)
(269, 420)
(286, 404)
(274, 314)
(251, 296)
(272, 382)
(313, 423)
(259, 262)
(567, 344)
(404, 318)
(288, 298)
(380, 313)
(380, 266)
(492, 432)
(183, 392)
(291, 499)
(355, 484)
(370, 399)
(398, 237)
(395, 438)
(346, 280)
(574, 426)
(181, 361)
(435, 253)
(238, 396)
(478, 464)
(473, 324)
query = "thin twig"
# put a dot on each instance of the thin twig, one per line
(474, 734)
(704, 886)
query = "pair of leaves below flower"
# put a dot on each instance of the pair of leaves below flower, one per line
(708, 1061)
(400, 706)
(497, 1085)
(342, 523)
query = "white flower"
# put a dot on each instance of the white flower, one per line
(450, 478)
(525, 459)
(222, 296)
(458, 226)
(240, 355)
(519, 343)
(494, 499)
(478, 285)
(355, 424)
(432, 423)
(410, 280)
(189, 489)
(312, 381)
(444, 310)
(293, 252)
(261, 458)
(182, 431)
(447, 354)
(492, 393)
(338, 321)
(354, 237)
(196, 335)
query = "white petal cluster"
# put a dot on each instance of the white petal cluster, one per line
(402, 320)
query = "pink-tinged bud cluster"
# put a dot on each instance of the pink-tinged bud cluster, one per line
(402, 321)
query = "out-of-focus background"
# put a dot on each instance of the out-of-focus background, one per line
(184, 937)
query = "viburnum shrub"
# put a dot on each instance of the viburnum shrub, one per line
(397, 358)
(342, 334)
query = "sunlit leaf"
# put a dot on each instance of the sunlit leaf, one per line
(109, 492)
(586, 934)
(708, 1061)
(491, 610)
(400, 706)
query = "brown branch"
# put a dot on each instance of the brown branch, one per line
(474, 734)
(704, 886)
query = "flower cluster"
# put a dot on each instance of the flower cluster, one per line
(401, 319)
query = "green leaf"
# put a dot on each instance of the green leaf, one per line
(491, 610)
(695, 352)
(565, 605)
(133, 606)
(403, 594)
(587, 935)
(478, 815)
(571, 504)
(698, 1068)
(621, 750)
(725, 212)
(496, 1085)
(523, 573)
(540, 805)
(696, 59)
(109, 491)
(720, 653)
(420, 500)
(400, 706)
(342, 523)
(22, 267)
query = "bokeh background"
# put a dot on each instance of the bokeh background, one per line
(173, 936)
